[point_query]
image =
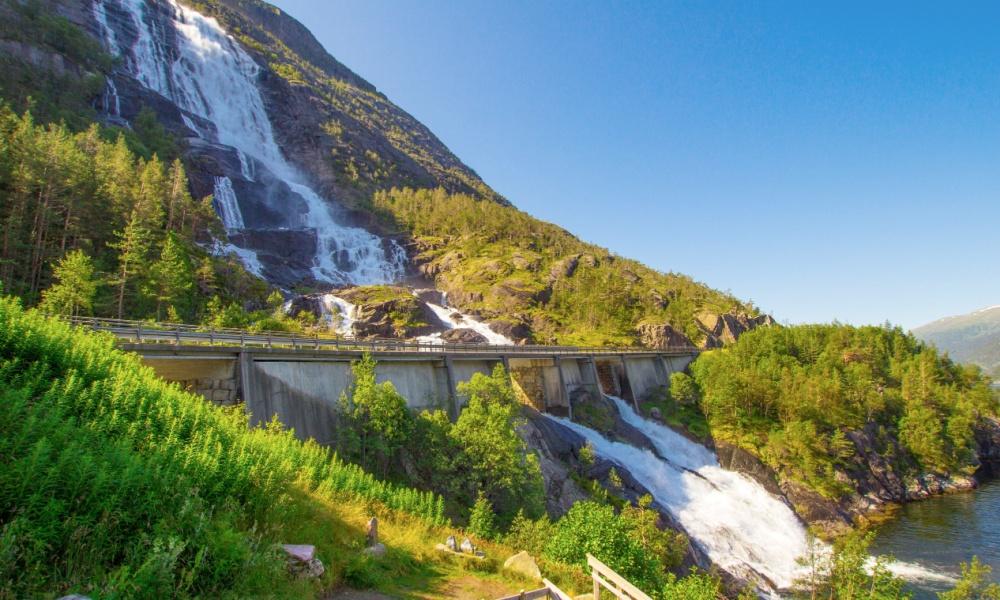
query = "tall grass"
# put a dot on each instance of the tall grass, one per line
(113, 481)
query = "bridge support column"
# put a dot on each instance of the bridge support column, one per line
(452, 388)
(562, 386)
(245, 374)
(595, 379)
(625, 380)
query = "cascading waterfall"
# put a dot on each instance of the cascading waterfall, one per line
(213, 78)
(455, 319)
(739, 525)
(227, 205)
(246, 167)
(338, 313)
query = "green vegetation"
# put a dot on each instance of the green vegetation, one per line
(790, 395)
(629, 542)
(115, 234)
(65, 72)
(478, 462)
(118, 481)
(847, 573)
(507, 265)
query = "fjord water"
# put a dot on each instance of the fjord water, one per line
(944, 531)
(213, 78)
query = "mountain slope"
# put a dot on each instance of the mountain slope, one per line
(971, 338)
(299, 154)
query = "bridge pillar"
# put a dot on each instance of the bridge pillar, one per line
(452, 388)
(245, 378)
(562, 385)
(626, 384)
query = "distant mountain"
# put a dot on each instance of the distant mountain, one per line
(972, 338)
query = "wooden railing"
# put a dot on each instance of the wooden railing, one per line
(179, 333)
(549, 591)
(605, 577)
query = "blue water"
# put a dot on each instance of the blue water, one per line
(940, 533)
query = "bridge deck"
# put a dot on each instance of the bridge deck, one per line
(150, 337)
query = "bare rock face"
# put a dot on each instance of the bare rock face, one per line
(988, 446)
(662, 337)
(462, 335)
(728, 327)
(564, 267)
(388, 312)
(518, 331)
(555, 446)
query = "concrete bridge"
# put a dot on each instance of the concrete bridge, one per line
(300, 378)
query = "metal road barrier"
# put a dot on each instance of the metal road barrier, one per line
(145, 332)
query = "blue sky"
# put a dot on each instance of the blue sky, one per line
(827, 162)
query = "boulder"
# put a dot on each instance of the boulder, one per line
(377, 550)
(462, 335)
(451, 543)
(655, 414)
(302, 561)
(523, 563)
(517, 331)
(467, 546)
(662, 336)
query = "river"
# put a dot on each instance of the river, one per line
(942, 532)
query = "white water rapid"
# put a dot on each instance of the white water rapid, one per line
(338, 314)
(455, 319)
(212, 77)
(740, 526)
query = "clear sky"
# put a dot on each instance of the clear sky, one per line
(837, 162)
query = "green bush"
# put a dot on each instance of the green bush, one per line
(482, 519)
(590, 527)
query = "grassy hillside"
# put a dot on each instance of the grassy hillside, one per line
(972, 338)
(507, 266)
(117, 484)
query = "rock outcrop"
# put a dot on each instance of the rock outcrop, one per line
(461, 335)
(662, 337)
(726, 328)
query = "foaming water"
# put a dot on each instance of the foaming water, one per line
(732, 518)
(338, 314)
(455, 319)
(740, 526)
(212, 77)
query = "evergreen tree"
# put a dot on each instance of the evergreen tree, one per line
(75, 287)
(133, 247)
(173, 279)
(482, 520)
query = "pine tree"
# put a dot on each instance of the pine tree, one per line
(75, 287)
(133, 248)
(482, 520)
(180, 206)
(173, 279)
